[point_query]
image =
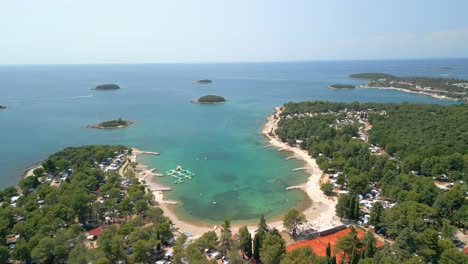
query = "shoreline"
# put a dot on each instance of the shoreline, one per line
(320, 212)
(198, 102)
(436, 96)
(327, 217)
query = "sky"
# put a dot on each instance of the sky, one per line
(189, 31)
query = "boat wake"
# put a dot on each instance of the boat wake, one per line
(51, 98)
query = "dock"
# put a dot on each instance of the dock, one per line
(161, 189)
(281, 149)
(169, 202)
(296, 187)
(291, 157)
(299, 169)
(268, 146)
(148, 152)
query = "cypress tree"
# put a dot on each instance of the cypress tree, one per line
(256, 247)
(333, 260)
(328, 251)
(158, 238)
(354, 257)
(351, 211)
(356, 210)
(248, 250)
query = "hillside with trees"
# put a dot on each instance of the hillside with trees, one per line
(419, 170)
(441, 87)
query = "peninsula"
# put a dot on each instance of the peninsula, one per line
(209, 99)
(442, 88)
(106, 87)
(119, 123)
(341, 86)
(370, 75)
(203, 81)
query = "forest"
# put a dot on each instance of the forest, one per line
(421, 143)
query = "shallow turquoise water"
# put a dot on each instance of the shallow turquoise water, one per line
(50, 106)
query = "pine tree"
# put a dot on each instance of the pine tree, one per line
(245, 240)
(225, 239)
(262, 226)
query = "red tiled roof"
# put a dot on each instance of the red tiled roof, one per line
(95, 232)
(465, 250)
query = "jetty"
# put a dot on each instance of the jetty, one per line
(291, 157)
(281, 149)
(147, 152)
(296, 187)
(302, 168)
(268, 146)
(161, 189)
(169, 202)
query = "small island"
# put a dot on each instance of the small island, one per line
(119, 123)
(106, 87)
(370, 75)
(203, 81)
(446, 68)
(209, 99)
(341, 86)
(2, 107)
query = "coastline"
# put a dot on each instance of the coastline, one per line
(327, 216)
(442, 97)
(320, 212)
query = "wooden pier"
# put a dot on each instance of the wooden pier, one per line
(296, 187)
(161, 189)
(302, 168)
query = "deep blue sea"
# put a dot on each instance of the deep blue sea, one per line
(49, 107)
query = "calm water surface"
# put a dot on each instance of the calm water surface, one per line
(50, 106)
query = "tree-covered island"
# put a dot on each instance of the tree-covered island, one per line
(341, 86)
(119, 123)
(106, 87)
(203, 81)
(209, 99)
(436, 87)
(2, 107)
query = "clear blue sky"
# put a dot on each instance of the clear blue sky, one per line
(157, 31)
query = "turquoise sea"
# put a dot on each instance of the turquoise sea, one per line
(49, 107)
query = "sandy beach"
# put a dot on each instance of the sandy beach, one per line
(320, 214)
(442, 97)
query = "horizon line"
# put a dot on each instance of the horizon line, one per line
(230, 62)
